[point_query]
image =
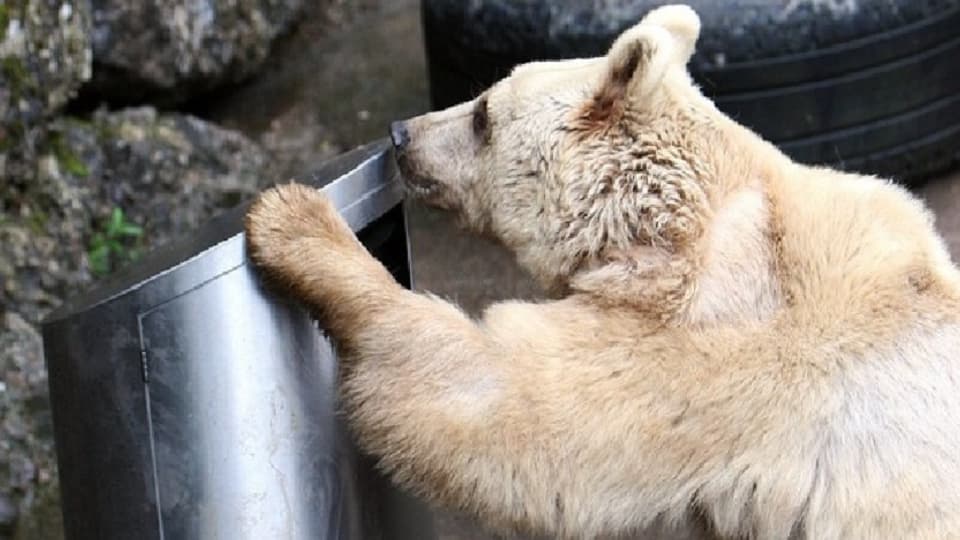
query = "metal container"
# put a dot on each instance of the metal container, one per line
(190, 403)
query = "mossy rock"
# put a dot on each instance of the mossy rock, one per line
(45, 56)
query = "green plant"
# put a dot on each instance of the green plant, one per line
(114, 245)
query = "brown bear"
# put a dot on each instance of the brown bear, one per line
(769, 348)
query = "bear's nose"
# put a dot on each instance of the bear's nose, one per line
(399, 135)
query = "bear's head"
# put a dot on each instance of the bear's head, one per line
(593, 171)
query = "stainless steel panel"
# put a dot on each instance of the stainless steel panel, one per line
(189, 403)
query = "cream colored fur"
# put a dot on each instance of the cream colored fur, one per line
(768, 349)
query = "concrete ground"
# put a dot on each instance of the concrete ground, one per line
(339, 80)
(943, 197)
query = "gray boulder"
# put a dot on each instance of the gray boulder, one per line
(45, 56)
(26, 445)
(168, 50)
(163, 175)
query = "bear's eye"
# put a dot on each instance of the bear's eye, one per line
(481, 121)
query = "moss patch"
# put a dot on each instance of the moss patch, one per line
(4, 20)
(6, 140)
(66, 156)
(16, 76)
(37, 221)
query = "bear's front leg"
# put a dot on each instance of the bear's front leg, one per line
(425, 389)
(299, 241)
(553, 418)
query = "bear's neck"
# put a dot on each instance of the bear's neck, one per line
(735, 278)
(735, 261)
(710, 259)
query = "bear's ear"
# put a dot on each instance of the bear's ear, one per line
(683, 25)
(642, 55)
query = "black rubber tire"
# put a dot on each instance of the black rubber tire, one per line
(865, 85)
